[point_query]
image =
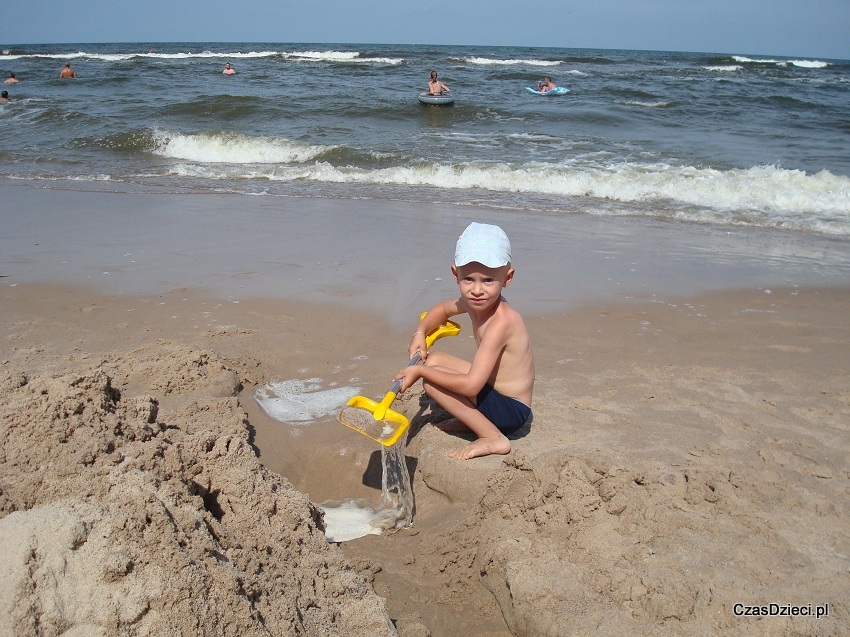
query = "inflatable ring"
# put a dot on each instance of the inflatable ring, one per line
(440, 100)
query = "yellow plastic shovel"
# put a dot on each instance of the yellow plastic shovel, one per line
(376, 420)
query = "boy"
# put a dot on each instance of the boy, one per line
(491, 396)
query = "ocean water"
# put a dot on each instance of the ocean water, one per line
(732, 140)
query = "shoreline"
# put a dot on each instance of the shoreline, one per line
(382, 254)
(690, 416)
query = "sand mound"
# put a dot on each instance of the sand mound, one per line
(573, 546)
(121, 516)
(612, 518)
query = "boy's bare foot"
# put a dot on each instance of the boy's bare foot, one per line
(483, 447)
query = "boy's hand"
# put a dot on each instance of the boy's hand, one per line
(408, 376)
(417, 344)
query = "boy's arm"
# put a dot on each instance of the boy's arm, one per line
(470, 384)
(436, 316)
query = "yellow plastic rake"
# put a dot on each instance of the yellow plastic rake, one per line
(376, 420)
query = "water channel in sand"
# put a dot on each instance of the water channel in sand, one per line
(297, 402)
(353, 518)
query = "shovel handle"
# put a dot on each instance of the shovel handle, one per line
(379, 411)
(397, 384)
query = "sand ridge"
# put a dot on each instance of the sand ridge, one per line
(124, 517)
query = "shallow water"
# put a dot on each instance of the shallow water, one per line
(297, 403)
(351, 518)
(302, 401)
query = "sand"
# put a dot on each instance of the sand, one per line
(689, 454)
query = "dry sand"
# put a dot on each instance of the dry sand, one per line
(690, 448)
(686, 455)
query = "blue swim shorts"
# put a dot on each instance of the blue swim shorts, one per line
(508, 414)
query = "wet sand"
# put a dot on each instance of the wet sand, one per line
(385, 257)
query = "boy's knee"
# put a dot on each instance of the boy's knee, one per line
(433, 359)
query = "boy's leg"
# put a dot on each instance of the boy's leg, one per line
(452, 364)
(448, 362)
(490, 439)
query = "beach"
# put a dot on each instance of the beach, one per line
(686, 471)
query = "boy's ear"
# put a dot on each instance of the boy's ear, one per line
(509, 276)
(454, 272)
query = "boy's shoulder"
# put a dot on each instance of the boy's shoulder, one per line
(505, 319)
(507, 311)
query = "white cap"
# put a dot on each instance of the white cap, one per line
(484, 244)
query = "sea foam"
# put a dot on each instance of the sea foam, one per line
(311, 56)
(302, 401)
(763, 196)
(490, 61)
(340, 56)
(724, 68)
(233, 148)
(811, 64)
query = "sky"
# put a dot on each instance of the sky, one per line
(793, 28)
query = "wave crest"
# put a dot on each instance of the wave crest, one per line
(310, 56)
(233, 148)
(810, 64)
(490, 61)
(763, 195)
(340, 56)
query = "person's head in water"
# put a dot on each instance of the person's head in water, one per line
(433, 76)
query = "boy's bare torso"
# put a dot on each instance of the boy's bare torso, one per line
(513, 376)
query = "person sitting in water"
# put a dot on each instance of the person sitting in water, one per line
(67, 71)
(11, 79)
(436, 87)
(228, 70)
(545, 85)
(4, 96)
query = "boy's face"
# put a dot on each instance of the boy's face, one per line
(481, 286)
